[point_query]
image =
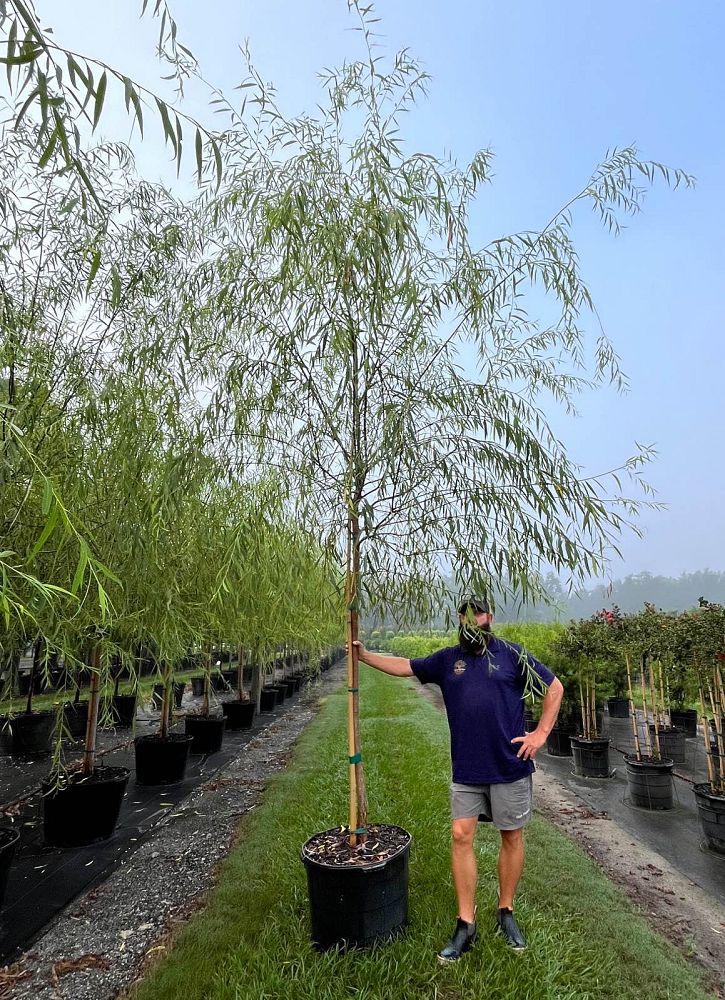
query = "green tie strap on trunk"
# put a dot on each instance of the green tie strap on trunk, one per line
(355, 759)
(361, 830)
(353, 690)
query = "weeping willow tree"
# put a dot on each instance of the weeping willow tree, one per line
(347, 285)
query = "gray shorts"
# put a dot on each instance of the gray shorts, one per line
(508, 805)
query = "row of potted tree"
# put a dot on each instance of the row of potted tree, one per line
(661, 670)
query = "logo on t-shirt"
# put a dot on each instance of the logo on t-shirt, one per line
(459, 667)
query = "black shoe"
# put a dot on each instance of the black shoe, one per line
(507, 926)
(463, 937)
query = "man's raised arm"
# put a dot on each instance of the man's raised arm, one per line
(398, 666)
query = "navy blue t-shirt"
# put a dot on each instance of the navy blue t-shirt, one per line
(484, 701)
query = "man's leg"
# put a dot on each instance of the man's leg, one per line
(510, 866)
(463, 866)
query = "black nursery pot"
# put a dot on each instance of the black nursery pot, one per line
(75, 717)
(197, 686)
(357, 906)
(711, 813)
(591, 757)
(239, 714)
(86, 810)
(207, 732)
(672, 743)
(230, 676)
(123, 709)
(650, 782)
(267, 699)
(618, 708)
(558, 742)
(685, 719)
(29, 734)
(8, 842)
(178, 692)
(161, 760)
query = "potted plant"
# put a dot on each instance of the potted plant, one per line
(342, 353)
(709, 647)
(648, 771)
(161, 757)
(206, 730)
(239, 713)
(586, 642)
(82, 805)
(30, 733)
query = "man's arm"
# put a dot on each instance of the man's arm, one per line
(397, 666)
(550, 704)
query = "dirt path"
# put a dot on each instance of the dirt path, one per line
(676, 907)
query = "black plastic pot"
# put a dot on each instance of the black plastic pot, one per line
(197, 686)
(230, 676)
(29, 734)
(672, 743)
(711, 813)
(218, 683)
(289, 685)
(75, 718)
(239, 714)
(618, 708)
(281, 690)
(123, 709)
(161, 760)
(355, 907)
(8, 842)
(207, 732)
(267, 699)
(685, 719)
(558, 742)
(650, 782)
(591, 757)
(158, 695)
(86, 810)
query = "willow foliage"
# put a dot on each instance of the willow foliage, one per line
(346, 285)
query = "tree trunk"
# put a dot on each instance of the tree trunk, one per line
(358, 793)
(257, 685)
(89, 754)
(166, 702)
(207, 681)
(240, 672)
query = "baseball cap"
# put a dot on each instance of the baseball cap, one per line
(474, 604)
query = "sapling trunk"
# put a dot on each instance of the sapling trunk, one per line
(207, 682)
(585, 720)
(358, 795)
(632, 711)
(655, 715)
(89, 753)
(708, 748)
(256, 693)
(647, 740)
(165, 721)
(240, 672)
(593, 710)
(33, 675)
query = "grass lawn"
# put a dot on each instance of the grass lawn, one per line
(251, 942)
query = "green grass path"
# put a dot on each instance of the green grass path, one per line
(251, 942)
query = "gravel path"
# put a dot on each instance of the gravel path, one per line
(99, 945)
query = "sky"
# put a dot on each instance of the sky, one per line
(550, 87)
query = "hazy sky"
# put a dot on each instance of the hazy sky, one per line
(550, 87)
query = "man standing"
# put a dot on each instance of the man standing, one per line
(483, 681)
